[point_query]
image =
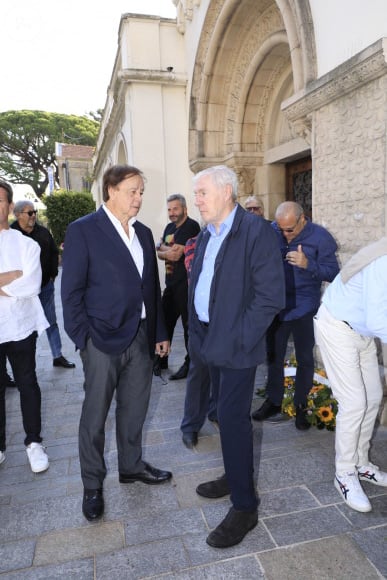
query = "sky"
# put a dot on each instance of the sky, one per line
(59, 56)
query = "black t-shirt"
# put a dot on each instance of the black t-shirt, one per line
(175, 271)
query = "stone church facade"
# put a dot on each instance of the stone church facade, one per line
(289, 93)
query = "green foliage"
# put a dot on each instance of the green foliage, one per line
(63, 207)
(27, 144)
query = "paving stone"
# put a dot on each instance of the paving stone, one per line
(283, 501)
(14, 555)
(236, 569)
(200, 552)
(294, 469)
(373, 543)
(376, 517)
(165, 525)
(33, 519)
(78, 570)
(145, 560)
(74, 544)
(332, 558)
(307, 525)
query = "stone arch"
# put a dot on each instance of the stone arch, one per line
(252, 54)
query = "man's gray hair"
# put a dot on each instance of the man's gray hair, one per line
(177, 197)
(257, 200)
(21, 204)
(221, 176)
(289, 207)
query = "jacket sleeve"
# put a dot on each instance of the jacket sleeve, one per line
(324, 265)
(267, 287)
(74, 284)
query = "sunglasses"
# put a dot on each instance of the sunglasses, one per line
(253, 208)
(289, 230)
(31, 212)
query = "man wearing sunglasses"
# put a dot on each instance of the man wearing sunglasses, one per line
(25, 214)
(309, 258)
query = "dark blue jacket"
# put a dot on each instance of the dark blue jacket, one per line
(247, 291)
(303, 285)
(102, 291)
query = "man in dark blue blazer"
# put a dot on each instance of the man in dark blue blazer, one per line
(236, 288)
(112, 312)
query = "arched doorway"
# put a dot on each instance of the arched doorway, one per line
(251, 57)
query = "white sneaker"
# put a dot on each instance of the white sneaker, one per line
(372, 474)
(2, 456)
(348, 485)
(37, 457)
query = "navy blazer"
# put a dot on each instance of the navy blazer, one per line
(102, 290)
(247, 291)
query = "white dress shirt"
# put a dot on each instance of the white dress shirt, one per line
(21, 312)
(131, 242)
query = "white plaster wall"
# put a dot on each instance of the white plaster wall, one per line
(345, 27)
(148, 43)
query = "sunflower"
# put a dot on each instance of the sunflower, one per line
(325, 414)
(316, 389)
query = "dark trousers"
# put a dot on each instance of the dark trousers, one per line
(199, 399)
(235, 392)
(21, 355)
(277, 341)
(47, 299)
(175, 304)
(129, 375)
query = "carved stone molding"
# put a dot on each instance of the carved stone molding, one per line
(302, 128)
(359, 70)
(185, 10)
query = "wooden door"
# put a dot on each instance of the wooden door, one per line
(299, 183)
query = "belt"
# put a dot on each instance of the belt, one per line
(206, 324)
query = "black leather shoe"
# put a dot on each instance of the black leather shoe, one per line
(160, 364)
(181, 373)
(190, 439)
(233, 528)
(302, 422)
(9, 382)
(214, 489)
(93, 504)
(150, 475)
(61, 361)
(268, 409)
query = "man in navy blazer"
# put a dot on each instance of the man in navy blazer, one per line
(236, 288)
(112, 312)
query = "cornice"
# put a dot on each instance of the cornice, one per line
(167, 77)
(364, 67)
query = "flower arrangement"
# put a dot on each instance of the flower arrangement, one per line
(321, 405)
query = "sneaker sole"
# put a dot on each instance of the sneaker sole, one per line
(361, 509)
(2, 459)
(40, 470)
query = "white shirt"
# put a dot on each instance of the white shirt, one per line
(362, 301)
(21, 312)
(131, 242)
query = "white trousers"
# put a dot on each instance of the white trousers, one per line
(352, 367)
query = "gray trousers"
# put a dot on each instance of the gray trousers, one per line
(129, 375)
